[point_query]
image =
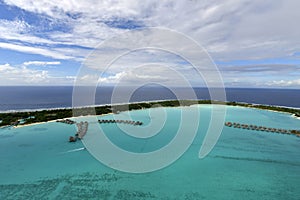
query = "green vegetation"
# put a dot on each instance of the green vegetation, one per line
(47, 115)
(39, 116)
(293, 111)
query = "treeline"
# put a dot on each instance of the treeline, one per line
(170, 103)
(34, 116)
(47, 115)
(296, 112)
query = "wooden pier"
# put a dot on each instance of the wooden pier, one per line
(82, 128)
(66, 121)
(135, 123)
(262, 128)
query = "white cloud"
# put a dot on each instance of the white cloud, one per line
(92, 8)
(41, 63)
(229, 30)
(19, 36)
(21, 31)
(14, 75)
(70, 77)
(285, 83)
(21, 75)
(35, 50)
(131, 78)
(89, 28)
(111, 79)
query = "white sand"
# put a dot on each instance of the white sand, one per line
(23, 125)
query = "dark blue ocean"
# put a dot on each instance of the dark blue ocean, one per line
(40, 97)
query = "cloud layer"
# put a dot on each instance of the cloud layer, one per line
(22, 75)
(228, 30)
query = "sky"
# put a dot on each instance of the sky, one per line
(253, 43)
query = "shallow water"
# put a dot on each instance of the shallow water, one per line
(38, 162)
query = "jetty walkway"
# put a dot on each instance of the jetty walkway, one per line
(135, 123)
(82, 128)
(262, 128)
(66, 121)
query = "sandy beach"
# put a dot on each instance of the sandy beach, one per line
(24, 125)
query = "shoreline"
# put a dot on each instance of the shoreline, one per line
(276, 111)
(188, 103)
(32, 124)
(55, 120)
(49, 115)
(137, 102)
(91, 106)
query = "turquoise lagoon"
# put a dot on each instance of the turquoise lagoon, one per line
(38, 162)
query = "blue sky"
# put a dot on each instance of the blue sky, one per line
(253, 43)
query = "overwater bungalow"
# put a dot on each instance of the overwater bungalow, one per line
(262, 128)
(66, 121)
(72, 139)
(120, 121)
(228, 124)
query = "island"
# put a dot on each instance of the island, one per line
(29, 117)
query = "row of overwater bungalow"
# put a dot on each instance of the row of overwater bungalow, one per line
(82, 128)
(120, 121)
(66, 121)
(261, 128)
